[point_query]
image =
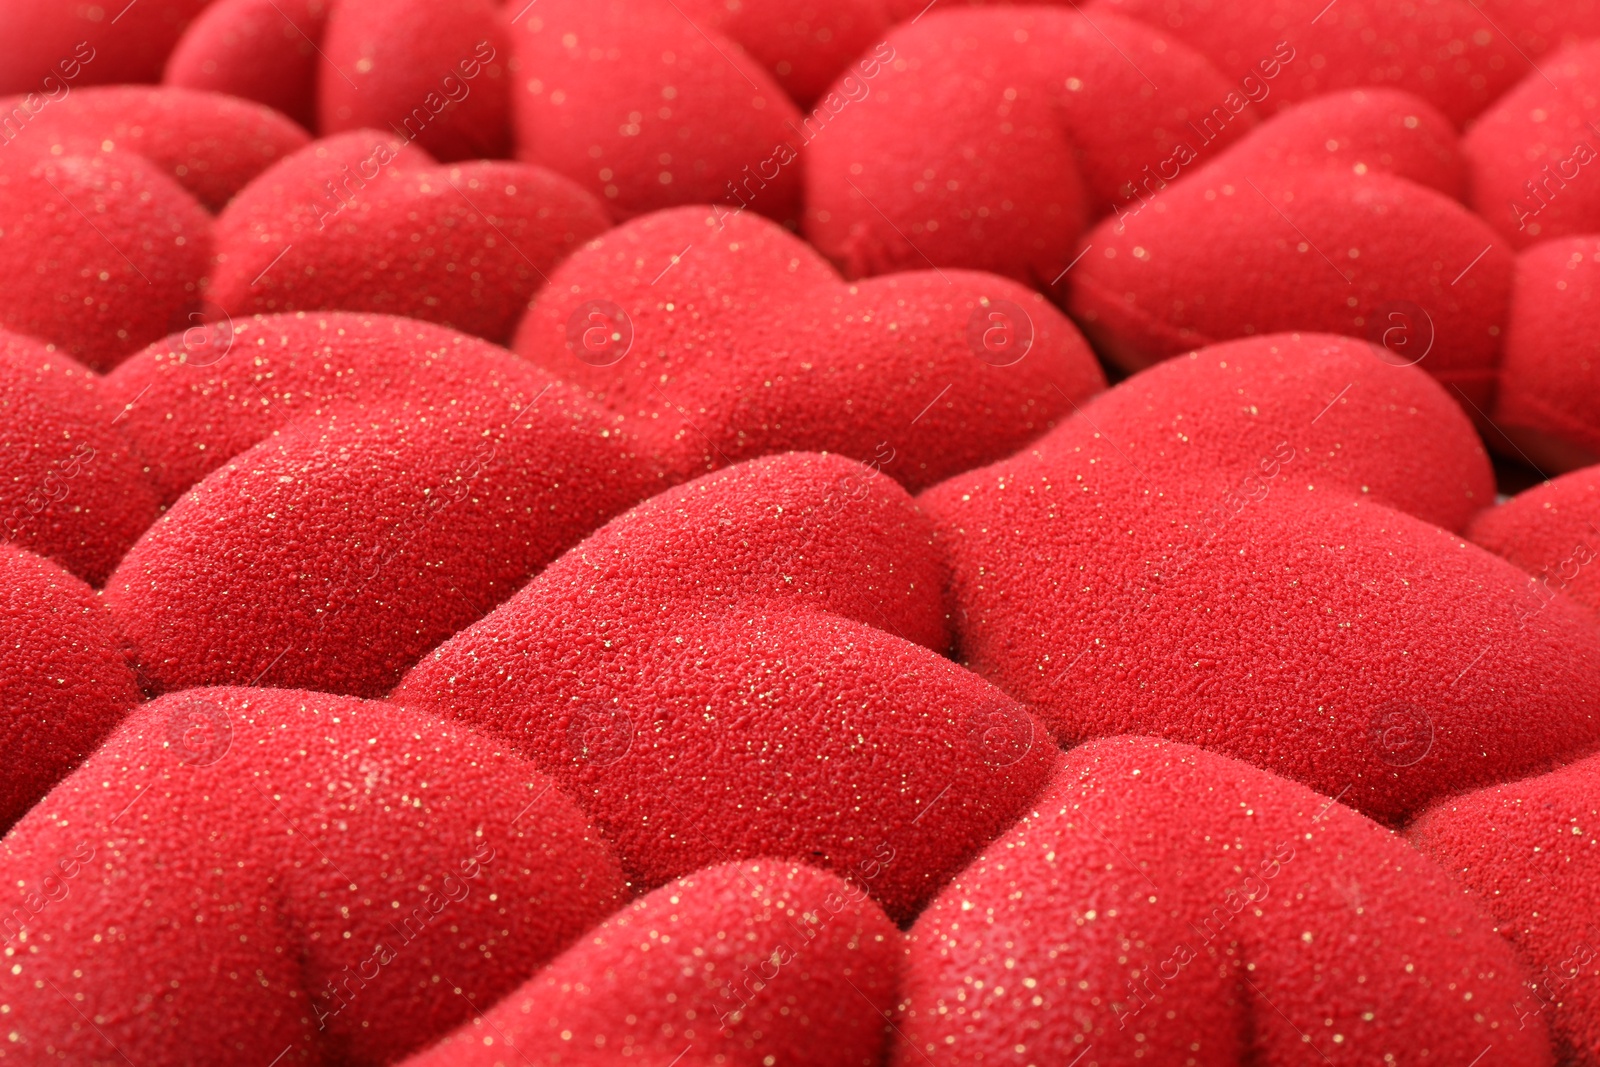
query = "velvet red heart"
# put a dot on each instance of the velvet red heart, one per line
(1233, 251)
(762, 962)
(63, 681)
(1218, 551)
(722, 337)
(1535, 153)
(338, 551)
(646, 108)
(987, 138)
(102, 252)
(1525, 853)
(210, 144)
(1552, 533)
(1160, 904)
(1445, 51)
(362, 222)
(1547, 408)
(71, 487)
(242, 874)
(261, 50)
(435, 71)
(745, 666)
(200, 397)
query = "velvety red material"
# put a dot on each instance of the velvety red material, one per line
(1222, 550)
(71, 487)
(711, 673)
(103, 252)
(261, 50)
(239, 872)
(723, 338)
(1164, 904)
(987, 138)
(363, 221)
(646, 109)
(1524, 852)
(735, 964)
(64, 683)
(1235, 251)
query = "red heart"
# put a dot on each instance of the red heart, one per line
(361, 222)
(733, 339)
(705, 674)
(313, 870)
(63, 681)
(1162, 904)
(1234, 549)
(748, 942)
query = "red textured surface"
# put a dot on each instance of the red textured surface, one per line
(815, 589)
(988, 138)
(1525, 853)
(804, 44)
(365, 222)
(102, 252)
(737, 964)
(199, 398)
(1541, 123)
(335, 553)
(704, 674)
(433, 68)
(40, 39)
(210, 144)
(63, 680)
(1233, 251)
(1445, 51)
(1162, 904)
(905, 10)
(748, 343)
(634, 103)
(1550, 531)
(1360, 130)
(1539, 26)
(1217, 552)
(70, 487)
(1548, 402)
(261, 50)
(296, 844)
